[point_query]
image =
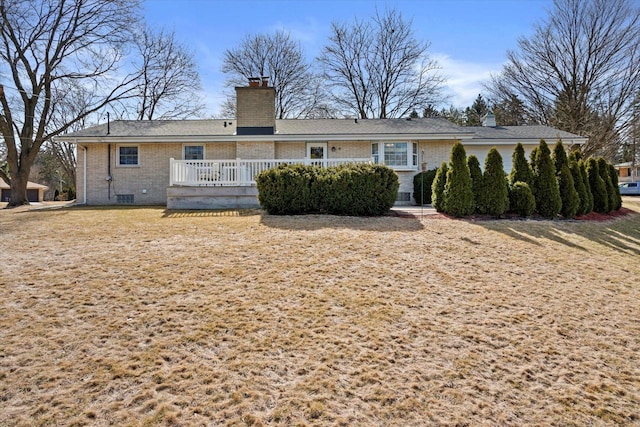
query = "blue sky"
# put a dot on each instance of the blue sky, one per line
(469, 38)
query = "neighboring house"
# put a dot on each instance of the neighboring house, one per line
(207, 164)
(628, 172)
(35, 192)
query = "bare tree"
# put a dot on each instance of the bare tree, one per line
(46, 46)
(378, 69)
(579, 71)
(280, 58)
(169, 83)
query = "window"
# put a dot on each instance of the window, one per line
(128, 156)
(125, 199)
(194, 152)
(398, 155)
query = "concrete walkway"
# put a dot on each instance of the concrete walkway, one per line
(413, 211)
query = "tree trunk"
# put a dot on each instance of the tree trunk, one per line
(19, 189)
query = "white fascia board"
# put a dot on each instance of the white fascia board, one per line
(528, 141)
(266, 138)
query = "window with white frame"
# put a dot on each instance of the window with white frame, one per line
(128, 155)
(397, 155)
(193, 152)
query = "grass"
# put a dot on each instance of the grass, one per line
(144, 317)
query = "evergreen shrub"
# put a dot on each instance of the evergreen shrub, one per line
(458, 196)
(521, 200)
(603, 170)
(520, 170)
(437, 188)
(545, 185)
(613, 173)
(422, 183)
(495, 197)
(477, 186)
(598, 187)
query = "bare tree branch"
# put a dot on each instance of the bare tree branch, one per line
(45, 45)
(378, 68)
(579, 71)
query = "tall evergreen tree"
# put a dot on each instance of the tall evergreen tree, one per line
(613, 173)
(458, 196)
(578, 183)
(603, 170)
(437, 188)
(477, 185)
(495, 199)
(566, 184)
(587, 185)
(545, 185)
(521, 170)
(598, 187)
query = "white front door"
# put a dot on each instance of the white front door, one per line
(316, 151)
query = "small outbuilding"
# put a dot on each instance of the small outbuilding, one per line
(35, 192)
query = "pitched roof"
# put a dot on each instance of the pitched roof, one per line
(30, 185)
(225, 129)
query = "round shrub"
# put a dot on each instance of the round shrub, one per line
(360, 190)
(357, 189)
(437, 188)
(422, 183)
(521, 200)
(287, 189)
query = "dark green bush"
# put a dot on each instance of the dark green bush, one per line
(494, 199)
(359, 189)
(613, 173)
(437, 188)
(458, 196)
(287, 189)
(545, 185)
(587, 185)
(578, 183)
(598, 187)
(477, 186)
(603, 170)
(422, 183)
(520, 170)
(559, 157)
(521, 200)
(568, 194)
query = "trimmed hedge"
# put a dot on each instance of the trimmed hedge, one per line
(422, 183)
(356, 189)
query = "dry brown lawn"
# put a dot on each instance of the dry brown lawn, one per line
(141, 317)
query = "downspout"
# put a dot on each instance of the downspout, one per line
(109, 169)
(84, 176)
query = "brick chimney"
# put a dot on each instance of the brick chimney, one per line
(256, 108)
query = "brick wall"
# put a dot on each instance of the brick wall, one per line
(255, 107)
(255, 150)
(290, 150)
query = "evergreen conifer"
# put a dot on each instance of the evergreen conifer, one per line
(495, 198)
(477, 185)
(520, 170)
(598, 187)
(458, 196)
(545, 185)
(603, 170)
(437, 189)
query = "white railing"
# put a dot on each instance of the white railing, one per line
(236, 172)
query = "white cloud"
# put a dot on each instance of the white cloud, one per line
(464, 78)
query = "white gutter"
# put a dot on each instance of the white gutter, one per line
(273, 138)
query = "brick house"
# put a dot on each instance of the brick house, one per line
(191, 164)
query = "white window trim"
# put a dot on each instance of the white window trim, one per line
(410, 155)
(120, 165)
(204, 150)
